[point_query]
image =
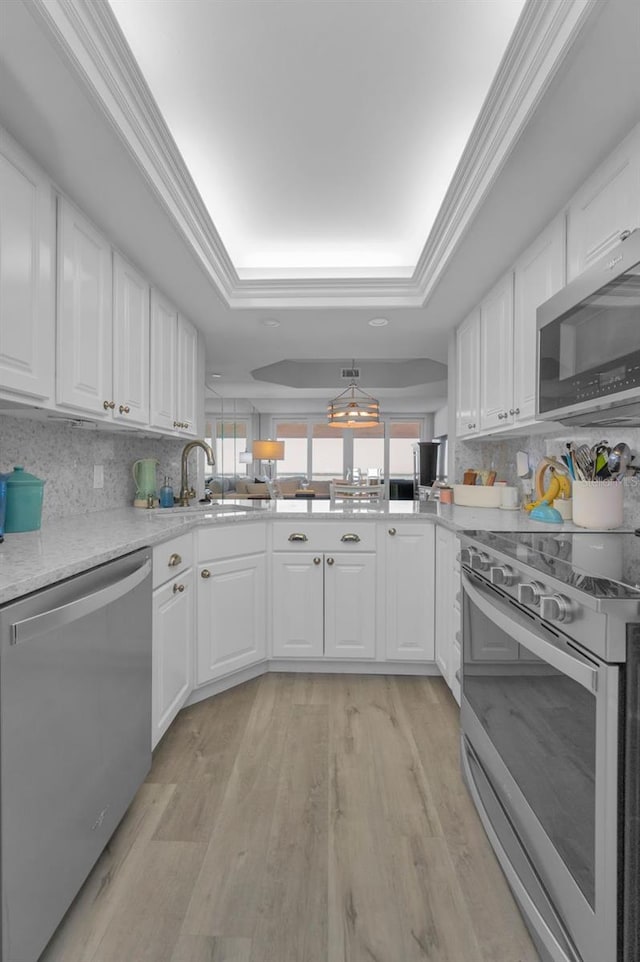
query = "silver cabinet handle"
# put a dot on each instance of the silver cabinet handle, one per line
(66, 614)
(392, 531)
(330, 561)
(517, 411)
(177, 587)
(298, 536)
(350, 538)
(317, 561)
(457, 676)
(205, 573)
(174, 560)
(108, 405)
(124, 409)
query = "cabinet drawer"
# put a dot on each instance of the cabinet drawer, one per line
(171, 557)
(323, 536)
(230, 541)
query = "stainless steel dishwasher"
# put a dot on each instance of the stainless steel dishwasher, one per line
(75, 737)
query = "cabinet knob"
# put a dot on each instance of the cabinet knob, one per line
(124, 409)
(350, 538)
(517, 411)
(392, 531)
(298, 536)
(317, 561)
(108, 405)
(469, 426)
(205, 573)
(174, 560)
(177, 587)
(330, 561)
(512, 411)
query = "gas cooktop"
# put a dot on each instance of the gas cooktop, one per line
(602, 564)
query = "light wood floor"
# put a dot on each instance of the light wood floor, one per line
(301, 818)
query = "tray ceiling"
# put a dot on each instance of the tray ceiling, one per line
(322, 136)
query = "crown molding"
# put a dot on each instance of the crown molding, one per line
(89, 36)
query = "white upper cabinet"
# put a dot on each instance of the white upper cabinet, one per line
(187, 376)
(27, 283)
(539, 273)
(130, 343)
(84, 349)
(174, 368)
(164, 354)
(496, 356)
(605, 206)
(467, 376)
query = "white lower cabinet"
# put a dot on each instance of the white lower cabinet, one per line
(324, 604)
(231, 616)
(410, 587)
(447, 613)
(298, 604)
(231, 603)
(172, 650)
(324, 590)
(173, 635)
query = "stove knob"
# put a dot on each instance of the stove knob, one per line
(502, 575)
(529, 593)
(556, 608)
(465, 556)
(480, 561)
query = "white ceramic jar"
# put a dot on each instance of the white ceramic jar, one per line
(598, 504)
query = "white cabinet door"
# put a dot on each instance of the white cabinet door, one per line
(172, 651)
(605, 206)
(468, 376)
(130, 343)
(444, 591)
(349, 605)
(187, 377)
(496, 356)
(27, 284)
(409, 581)
(84, 349)
(164, 361)
(231, 606)
(298, 605)
(539, 273)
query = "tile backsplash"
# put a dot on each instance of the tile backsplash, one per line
(64, 455)
(499, 455)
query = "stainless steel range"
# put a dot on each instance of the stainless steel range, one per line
(551, 730)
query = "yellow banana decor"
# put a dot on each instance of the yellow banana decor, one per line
(559, 485)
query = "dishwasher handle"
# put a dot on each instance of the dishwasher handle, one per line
(65, 614)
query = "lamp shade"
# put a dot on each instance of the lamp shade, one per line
(268, 450)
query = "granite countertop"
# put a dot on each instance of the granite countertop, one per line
(68, 546)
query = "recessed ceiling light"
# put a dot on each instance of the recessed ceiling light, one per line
(378, 322)
(270, 322)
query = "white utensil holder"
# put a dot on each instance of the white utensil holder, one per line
(598, 504)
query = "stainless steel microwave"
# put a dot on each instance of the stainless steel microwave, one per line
(589, 344)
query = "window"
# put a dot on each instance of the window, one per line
(368, 451)
(294, 435)
(230, 442)
(327, 452)
(402, 437)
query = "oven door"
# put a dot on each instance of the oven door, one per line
(540, 754)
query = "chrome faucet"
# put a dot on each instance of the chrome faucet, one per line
(186, 492)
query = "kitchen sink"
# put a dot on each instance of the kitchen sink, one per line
(210, 508)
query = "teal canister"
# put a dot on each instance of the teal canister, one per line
(24, 501)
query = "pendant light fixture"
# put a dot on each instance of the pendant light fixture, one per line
(354, 408)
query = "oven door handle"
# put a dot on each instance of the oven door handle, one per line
(517, 627)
